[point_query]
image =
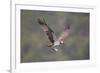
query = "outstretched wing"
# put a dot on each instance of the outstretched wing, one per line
(47, 29)
(64, 34)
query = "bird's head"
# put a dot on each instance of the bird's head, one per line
(61, 42)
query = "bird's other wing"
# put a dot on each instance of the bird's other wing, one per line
(47, 29)
(64, 34)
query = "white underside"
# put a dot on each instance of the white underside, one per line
(56, 43)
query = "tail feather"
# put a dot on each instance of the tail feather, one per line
(56, 49)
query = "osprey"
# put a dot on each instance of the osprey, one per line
(51, 35)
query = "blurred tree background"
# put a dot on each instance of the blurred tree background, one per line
(34, 41)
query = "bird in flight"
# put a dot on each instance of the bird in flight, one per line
(55, 42)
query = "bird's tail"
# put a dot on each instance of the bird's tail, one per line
(56, 48)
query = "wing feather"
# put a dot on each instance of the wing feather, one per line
(47, 29)
(64, 34)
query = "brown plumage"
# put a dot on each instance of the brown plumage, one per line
(46, 29)
(50, 33)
